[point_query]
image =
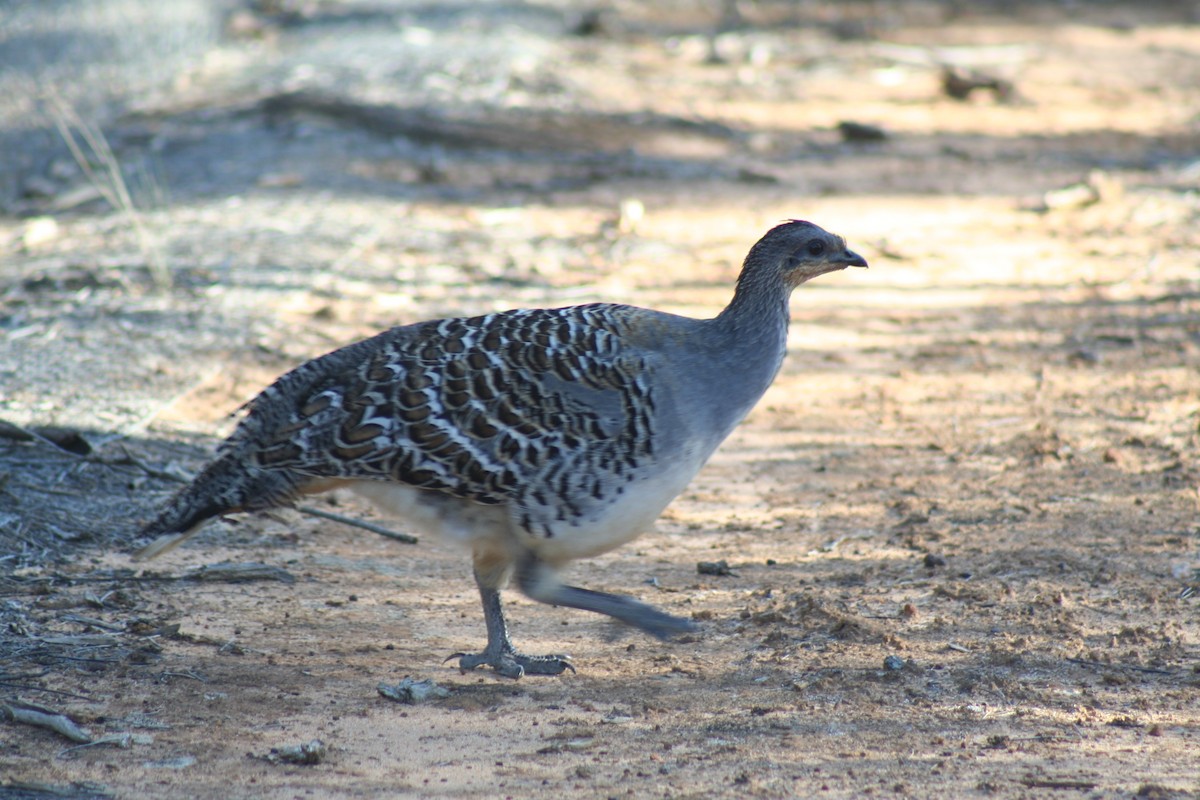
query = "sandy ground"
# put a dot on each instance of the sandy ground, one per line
(961, 528)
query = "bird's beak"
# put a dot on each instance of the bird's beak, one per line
(853, 259)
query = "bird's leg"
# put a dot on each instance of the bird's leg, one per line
(500, 654)
(539, 582)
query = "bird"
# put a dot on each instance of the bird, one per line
(533, 437)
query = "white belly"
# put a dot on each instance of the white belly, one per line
(436, 513)
(601, 528)
(628, 516)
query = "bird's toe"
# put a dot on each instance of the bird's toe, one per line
(514, 665)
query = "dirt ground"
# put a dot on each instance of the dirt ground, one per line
(961, 529)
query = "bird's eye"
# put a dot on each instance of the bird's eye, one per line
(816, 247)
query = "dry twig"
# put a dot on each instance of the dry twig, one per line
(407, 538)
(42, 717)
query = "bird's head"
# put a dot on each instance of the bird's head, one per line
(797, 251)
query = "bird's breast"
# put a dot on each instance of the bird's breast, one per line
(629, 512)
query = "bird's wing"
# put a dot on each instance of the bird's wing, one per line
(538, 407)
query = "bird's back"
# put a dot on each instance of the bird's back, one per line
(484, 408)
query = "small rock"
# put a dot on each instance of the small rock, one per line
(933, 561)
(861, 132)
(893, 663)
(411, 692)
(1077, 195)
(750, 176)
(714, 568)
(592, 22)
(630, 214)
(961, 83)
(308, 753)
(39, 231)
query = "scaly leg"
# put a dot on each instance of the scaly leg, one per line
(500, 654)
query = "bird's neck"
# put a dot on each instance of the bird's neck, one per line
(753, 333)
(757, 316)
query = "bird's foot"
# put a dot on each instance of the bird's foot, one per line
(512, 664)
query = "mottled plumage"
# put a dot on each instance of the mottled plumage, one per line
(535, 437)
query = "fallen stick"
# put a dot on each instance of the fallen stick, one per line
(42, 717)
(357, 523)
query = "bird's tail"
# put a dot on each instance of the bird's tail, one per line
(225, 486)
